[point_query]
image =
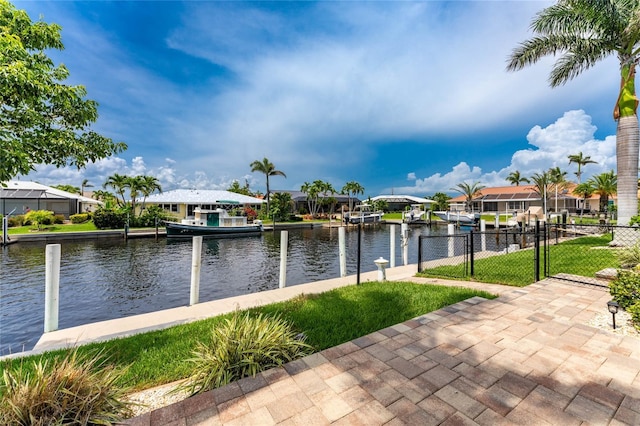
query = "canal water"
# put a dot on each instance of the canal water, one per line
(110, 278)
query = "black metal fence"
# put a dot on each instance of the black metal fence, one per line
(585, 253)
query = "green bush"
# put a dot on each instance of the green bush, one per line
(241, 347)
(634, 311)
(109, 218)
(148, 217)
(79, 218)
(38, 218)
(629, 256)
(71, 390)
(58, 219)
(15, 221)
(625, 289)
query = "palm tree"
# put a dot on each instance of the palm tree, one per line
(515, 178)
(583, 32)
(469, 191)
(559, 180)
(585, 190)
(85, 184)
(119, 184)
(150, 184)
(605, 185)
(580, 160)
(352, 187)
(542, 186)
(265, 166)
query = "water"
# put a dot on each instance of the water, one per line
(111, 278)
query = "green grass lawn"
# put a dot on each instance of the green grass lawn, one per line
(581, 256)
(70, 227)
(328, 319)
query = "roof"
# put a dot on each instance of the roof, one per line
(410, 199)
(202, 196)
(512, 193)
(18, 189)
(300, 196)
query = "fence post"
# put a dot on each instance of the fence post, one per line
(536, 252)
(392, 246)
(420, 253)
(196, 262)
(52, 287)
(471, 251)
(343, 251)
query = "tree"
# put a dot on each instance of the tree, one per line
(580, 160)
(119, 184)
(149, 185)
(42, 120)
(582, 33)
(68, 188)
(558, 178)
(282, 206)
(469, 191)
(39, 217)
(244, 190)
(85, 184)
(442, 201)
(515, 178)
(352, 187)
(265, 166)
(542, 186)
(585, 190)
(604, 185)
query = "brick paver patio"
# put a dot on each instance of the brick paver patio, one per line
(527, 357)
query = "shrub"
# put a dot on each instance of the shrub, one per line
(79, 218)
(39, 218)
(148, 217)
(15, 221)
(634, 311)
(629, 256)
(625, 289)
(243, 346)
(72, 390)
(105, 218)
(58, 219)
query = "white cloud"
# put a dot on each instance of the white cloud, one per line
(411, 176)
(550, 147)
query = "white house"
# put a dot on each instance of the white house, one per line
(18, 197)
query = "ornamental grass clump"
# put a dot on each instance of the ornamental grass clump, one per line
(243, 346)
(74, 390)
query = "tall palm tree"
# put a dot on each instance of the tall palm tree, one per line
(581, 33)
(352, 187)
(265, 166)
(119, 184)
(605, 185)
(515, 178)
(580, 160)
(85, 184)
(585, 190)
(542, 186)
(558, 178)
(469, 190)
(150, 184)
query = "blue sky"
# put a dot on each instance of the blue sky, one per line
(403, 97)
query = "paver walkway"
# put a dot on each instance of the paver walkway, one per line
(526, 357)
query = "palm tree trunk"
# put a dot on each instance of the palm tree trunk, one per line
(627, 145)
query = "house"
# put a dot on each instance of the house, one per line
(514, 199)
(18, 197)
(182, 202)
(398, 203)
(299, 199)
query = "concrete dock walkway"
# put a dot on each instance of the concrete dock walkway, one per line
(527, 357)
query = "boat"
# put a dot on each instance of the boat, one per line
(415, 214)
(460, 218)
(213, 224)
(362, 213)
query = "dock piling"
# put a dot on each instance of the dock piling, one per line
(52, 287)
(196, 263)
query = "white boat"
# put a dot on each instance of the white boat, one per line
(213, 223)
(362, 213)
(416, 214)
(460, 218)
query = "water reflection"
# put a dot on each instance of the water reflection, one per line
(106, 279)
